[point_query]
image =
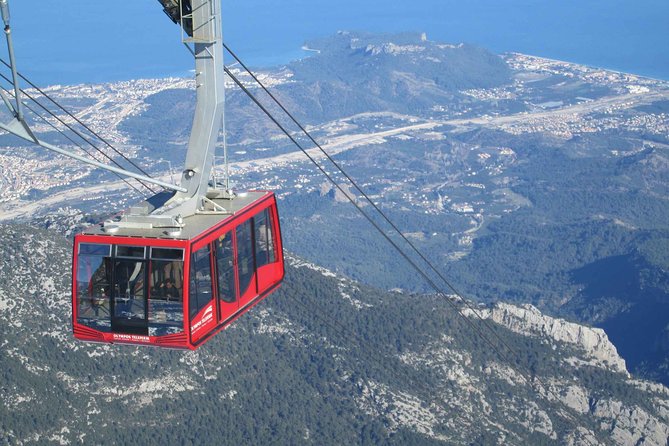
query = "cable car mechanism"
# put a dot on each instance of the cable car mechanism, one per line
(175, 269)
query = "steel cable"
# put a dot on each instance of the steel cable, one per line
(527, 377)
(34, 112)
(95, 134)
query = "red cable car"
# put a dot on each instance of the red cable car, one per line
(182, 265)
(177, 291)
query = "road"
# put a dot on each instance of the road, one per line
(21, 209)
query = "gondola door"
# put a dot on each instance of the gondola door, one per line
(226, 282)
(129, 292)
(246, 264)
(201, 304)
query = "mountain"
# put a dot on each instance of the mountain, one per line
(350, 73)
(323, 361)
(525, 180)
(405, 73)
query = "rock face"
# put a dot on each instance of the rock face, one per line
(627, 425)
(528, 320)
(631, 425)
(340, 196)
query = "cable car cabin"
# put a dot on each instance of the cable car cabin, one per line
(177, 291)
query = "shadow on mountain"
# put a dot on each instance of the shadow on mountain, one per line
(618, 296)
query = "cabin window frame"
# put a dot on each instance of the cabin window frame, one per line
(165, 307)
(109, 253)
(220, 256)
(264, 240)
(195, 302)
(248, 260)
(100, 302)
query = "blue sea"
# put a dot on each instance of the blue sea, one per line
(83, 41)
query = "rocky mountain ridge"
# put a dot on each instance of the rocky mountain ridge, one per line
(529, 321)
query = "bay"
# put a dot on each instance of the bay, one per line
(96, 41)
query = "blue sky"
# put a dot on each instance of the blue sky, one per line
(96, 40)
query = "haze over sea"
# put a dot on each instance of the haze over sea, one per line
(94, 41)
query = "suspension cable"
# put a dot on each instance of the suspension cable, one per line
(34, 112)
(528, 376)
(65, 135)
(378, 228)
(95, 134)
(380, 212)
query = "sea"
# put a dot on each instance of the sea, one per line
(93, 41)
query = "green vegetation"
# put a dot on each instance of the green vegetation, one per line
(295, 370)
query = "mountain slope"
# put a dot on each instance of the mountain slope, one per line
(323, 361)
(528, 180)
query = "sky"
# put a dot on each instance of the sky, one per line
(91, 41)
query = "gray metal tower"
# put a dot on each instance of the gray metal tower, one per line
(201, 33)
(200, 20)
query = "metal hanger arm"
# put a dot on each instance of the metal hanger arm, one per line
(18, 128)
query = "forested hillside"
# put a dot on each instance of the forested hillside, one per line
(323, 361)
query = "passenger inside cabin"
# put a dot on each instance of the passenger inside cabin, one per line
(169, 291)
(95, 305)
